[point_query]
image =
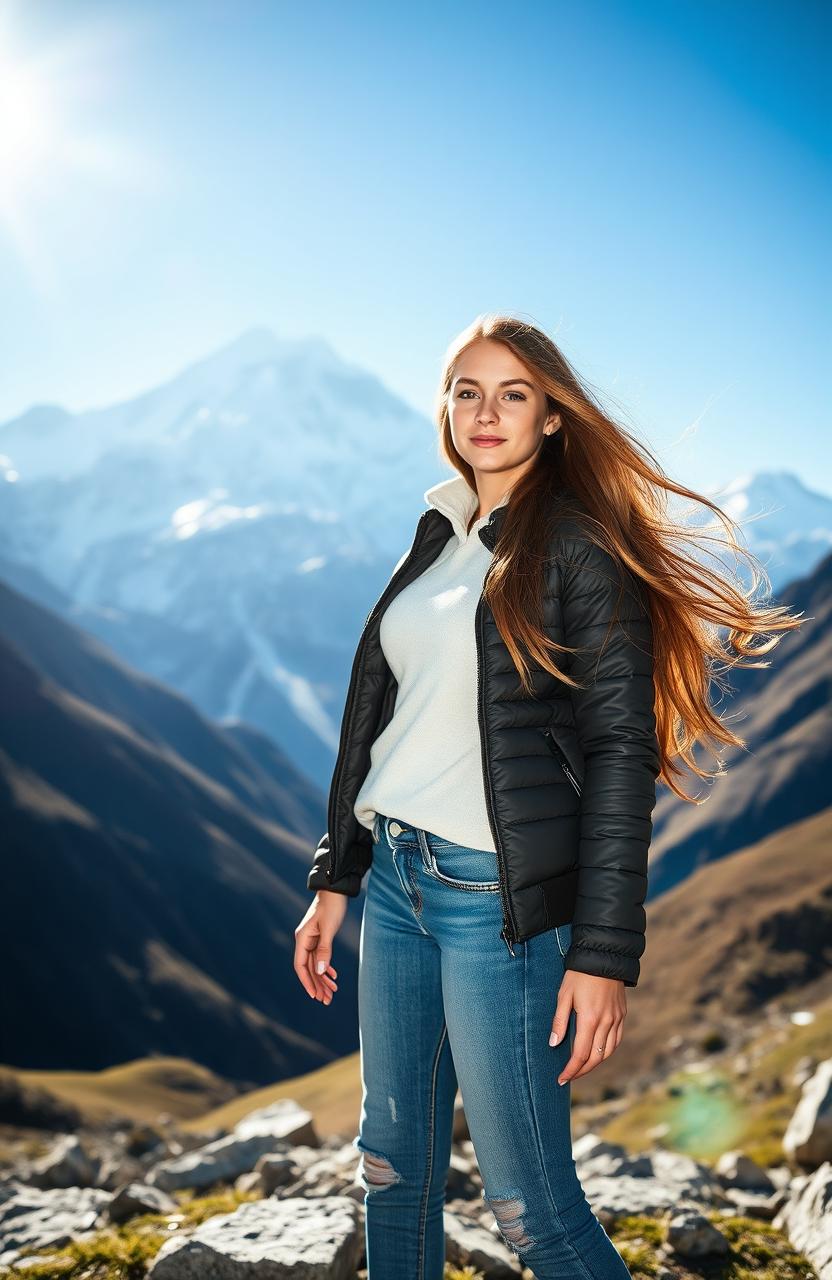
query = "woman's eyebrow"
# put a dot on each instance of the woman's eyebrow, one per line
(507, 382)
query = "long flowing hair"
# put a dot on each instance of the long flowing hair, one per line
(705, 621)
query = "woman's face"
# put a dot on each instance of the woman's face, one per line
(498, 417)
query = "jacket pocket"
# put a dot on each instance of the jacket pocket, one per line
(559, 754)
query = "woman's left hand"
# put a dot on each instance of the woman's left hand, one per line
(600, 1009)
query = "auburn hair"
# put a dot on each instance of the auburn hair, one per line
(704, 620)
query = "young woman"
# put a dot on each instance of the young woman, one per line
(539, 658)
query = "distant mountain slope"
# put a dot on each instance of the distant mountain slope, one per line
(226, 530)
(737, 933)
(83, 666)
(785, 714)
(153, 871)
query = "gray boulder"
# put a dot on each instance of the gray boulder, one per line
(275, 1128)
(269, 1240)
(221, 1161)
(34, 1218)
(649, 1182)
(806, 1218)
(283, 1119)
(808, 1138)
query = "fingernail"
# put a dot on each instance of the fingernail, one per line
(561, 1082)
(320, 966)
(553, 1038)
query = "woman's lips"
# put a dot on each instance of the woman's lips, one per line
(487, 442)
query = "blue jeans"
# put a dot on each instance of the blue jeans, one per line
(442, 1003)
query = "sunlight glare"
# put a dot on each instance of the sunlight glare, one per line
(26, 128)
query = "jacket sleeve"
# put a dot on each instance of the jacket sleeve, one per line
(350, 884)
(605, 613)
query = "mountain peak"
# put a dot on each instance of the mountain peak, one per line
(254, 345)
(767, 483)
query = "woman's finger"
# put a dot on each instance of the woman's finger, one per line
(301, 962)
(606, 1042)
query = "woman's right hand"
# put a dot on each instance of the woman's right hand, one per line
(313, 944)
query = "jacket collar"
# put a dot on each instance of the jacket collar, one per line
(457, 501)
(489, 532)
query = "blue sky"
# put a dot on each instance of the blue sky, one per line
(648, 182)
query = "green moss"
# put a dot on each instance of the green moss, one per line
(197, 1208)
(124, 1252)
(637, 1238)
(757, 1250)
(112, 1254)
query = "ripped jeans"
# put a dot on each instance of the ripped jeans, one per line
(443, 1003)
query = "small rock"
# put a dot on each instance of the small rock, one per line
(736, 1169)
(137, 1197)
(755, 1204)
(66, 1164)
(469, 1245)
(221, 1161)
(275, 1171)
(591, 1147)
(693, 1236)
(115, 1171)
(282, 1119)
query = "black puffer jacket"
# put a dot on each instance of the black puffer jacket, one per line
(570, 775)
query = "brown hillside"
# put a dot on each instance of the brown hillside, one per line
(735, 934)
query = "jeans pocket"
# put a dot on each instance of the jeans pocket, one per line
(563, 933)
(471, 870)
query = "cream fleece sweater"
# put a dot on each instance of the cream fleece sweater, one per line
(426, 765)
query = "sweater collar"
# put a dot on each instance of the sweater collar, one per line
(458, 501)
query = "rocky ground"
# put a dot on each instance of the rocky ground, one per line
(269, 1199)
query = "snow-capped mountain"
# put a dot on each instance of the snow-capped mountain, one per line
(786, 525)
(228, 530)
(260, 430)
(251, 506)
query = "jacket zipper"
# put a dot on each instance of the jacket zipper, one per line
(508, 933)
(557, 751)
(353, 688)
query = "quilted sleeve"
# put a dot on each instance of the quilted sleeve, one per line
(606, 614)
(350, 883)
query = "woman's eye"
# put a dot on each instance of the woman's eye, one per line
(468, 392)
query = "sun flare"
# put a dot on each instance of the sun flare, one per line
(27, 129)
